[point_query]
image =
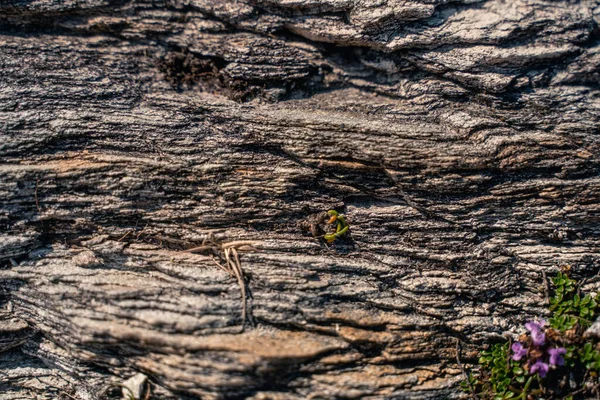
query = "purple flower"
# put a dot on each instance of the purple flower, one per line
(556, 355)
(537, 332)
(518, 351)
(540, 367)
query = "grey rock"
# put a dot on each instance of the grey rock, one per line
(594, 330)
(460, 139)
(134, 386)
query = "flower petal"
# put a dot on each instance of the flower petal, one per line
(540, 367)
(518, 351)
(556, 355)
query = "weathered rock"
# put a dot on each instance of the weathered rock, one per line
(459, 138)
(134, 386)
(594, 330)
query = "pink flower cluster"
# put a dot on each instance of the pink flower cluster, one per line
(550, 357)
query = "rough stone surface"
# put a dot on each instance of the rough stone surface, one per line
(134, 386)
(460, 139)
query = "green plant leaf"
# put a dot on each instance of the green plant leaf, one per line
(518, 371)
(586, 300)
(508, 395)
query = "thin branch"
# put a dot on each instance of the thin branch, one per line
(233, 265)
(137, 237)
(583, 389)
(410, 202)
(508, 356)
(462, 369)
(125, 235)
(240, 278)
(200, 249)
(148, 390)
(221, 266)
(239, 243)
(68, 395)
(580, 285)
(117, 385)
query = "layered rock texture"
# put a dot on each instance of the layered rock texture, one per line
(460, 139)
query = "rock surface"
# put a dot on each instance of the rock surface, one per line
(460, 139)
(134, 387)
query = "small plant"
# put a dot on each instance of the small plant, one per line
(570, 309)
(329, 225)
(546, 361)
(339, 224)
(503, 371)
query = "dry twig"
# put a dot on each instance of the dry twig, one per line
(229, 252)
(148, 391)
(125, 235)
(68, 395)
(580, 390)
(462, 369)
